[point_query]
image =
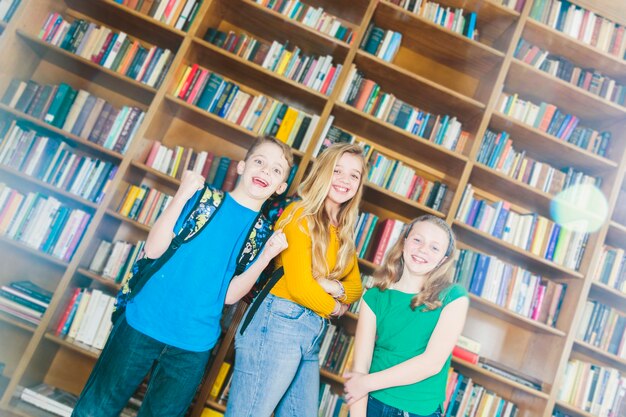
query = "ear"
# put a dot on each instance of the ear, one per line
(281, 188)
(240, 167)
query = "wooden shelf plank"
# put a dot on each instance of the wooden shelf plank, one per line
(471, 369)
(574, 50)
(49, 188)
(598, 354)
(509, 252)
(409, 208)
(438, 43)
(134, 223)
(616, 235)
(566, 96)
(77, 140)
(325, 374)
(99, 278)
(417, 90)
(17, 322)
(73, 345)
(509, 316)
(89, 69)
(550, 149)
(608, 295)
(43, 256)
(572, 410)
(216, 406)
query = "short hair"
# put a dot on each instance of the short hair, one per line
(287, 153)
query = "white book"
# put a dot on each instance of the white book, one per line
(318, 145)
(115, 49)
(158, 14)
(105, 326)
(309, 133)
(85, 324)
(99, 259)
(385, 44)
(185, 14)
(42, 142)
(97, 317)
(19, 216)
(80, 313)
(158, 68)
(77, 106)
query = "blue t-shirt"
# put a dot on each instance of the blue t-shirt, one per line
(182, 303)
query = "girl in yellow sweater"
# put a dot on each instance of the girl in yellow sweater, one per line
(277, 363)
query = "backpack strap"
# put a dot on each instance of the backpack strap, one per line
(276, 276)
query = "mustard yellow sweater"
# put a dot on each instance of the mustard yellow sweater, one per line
(297, 283)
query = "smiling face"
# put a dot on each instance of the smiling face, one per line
(425, 248)
(264, 172)
(345, 180)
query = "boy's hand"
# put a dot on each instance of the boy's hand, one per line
(190, 182)
(275, 244)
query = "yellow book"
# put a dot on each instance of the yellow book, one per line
(513, 105)
(219, 380)
(282, 65)
(181, 80)
(540, 235)
(178, 156)
(522, 168)
(207, 412)
(285, 127)
(131, 196)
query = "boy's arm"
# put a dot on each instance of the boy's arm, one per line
(364, 341)
(420, 367)
(161, 233)
(241, 284)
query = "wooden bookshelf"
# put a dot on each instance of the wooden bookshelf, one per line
(435, 70)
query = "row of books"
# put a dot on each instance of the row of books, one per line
(549, 119)
(52, 161)
(368, 282)
(516, 5)
(454, 19)
(41, 222)
(257, 113)
(592, 388)
(336, 350)
(143, 204)
(528, 231)
(401, 179)
(603, 327)
(313, 17)
(221, 385)
(86, 318)
(8, 8)
(25, 300)
(49, 398)
(466, 349)
(464, 397)
(611, 268)
(331, 404)
(77, 112)
(113, 260)
(510, 286)
(588, 79)
(177, 13)
(581, 24)
(374, 239)
(385, 44)
(315, 72)
(110, 49)
(497, 152)
(366, 95)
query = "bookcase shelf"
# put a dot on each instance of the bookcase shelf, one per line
(570, 97)
(473, 236)
(88, 69)
(99, 278)
(398, 140)
(23, 409)
(156, 173)
(268, 18)
(48, 189)
(474, 371)
(616, 234)
(7, 318)
(216, 406)
(608, 295)
(424, 37)
(56, 262)
(80, 143)
(131, 222)
(512, 317)
(559, 43)
(408, 86)
(571, 410)
(407, 208)
(600, 355)
(331, 376)
(552, 150)
(74, 346)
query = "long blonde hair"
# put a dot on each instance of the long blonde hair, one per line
(313, 191)
(438, 279)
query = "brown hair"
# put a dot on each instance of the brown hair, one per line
(438, 279)
(287, 153)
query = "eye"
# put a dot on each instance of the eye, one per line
(278, 171)
(435, 249)
(258, 161)
(336, 171)
(355, 176)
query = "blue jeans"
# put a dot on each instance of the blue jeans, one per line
(377, 409)
(277, 362)
(126, 359)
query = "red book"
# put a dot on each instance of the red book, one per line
(154, 150)
(364, 94)
(383, 240)
(187, 83)
(231, 176)
(465, 355)
(328, 79)
(207, 165)
(67, 311)
(547, 117)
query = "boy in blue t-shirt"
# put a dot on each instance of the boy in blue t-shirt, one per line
(170, 327)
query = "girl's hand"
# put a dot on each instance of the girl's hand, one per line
(355, 387)
(275, 244)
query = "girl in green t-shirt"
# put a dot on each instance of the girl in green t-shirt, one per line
(408, 325)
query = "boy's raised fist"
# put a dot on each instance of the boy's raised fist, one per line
(190, 182)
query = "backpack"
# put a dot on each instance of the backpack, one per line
(207, 204)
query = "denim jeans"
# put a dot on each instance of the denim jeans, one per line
(126, 359)
(277, 362)
(377, 409)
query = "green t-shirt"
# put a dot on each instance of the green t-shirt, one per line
(401, 334)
